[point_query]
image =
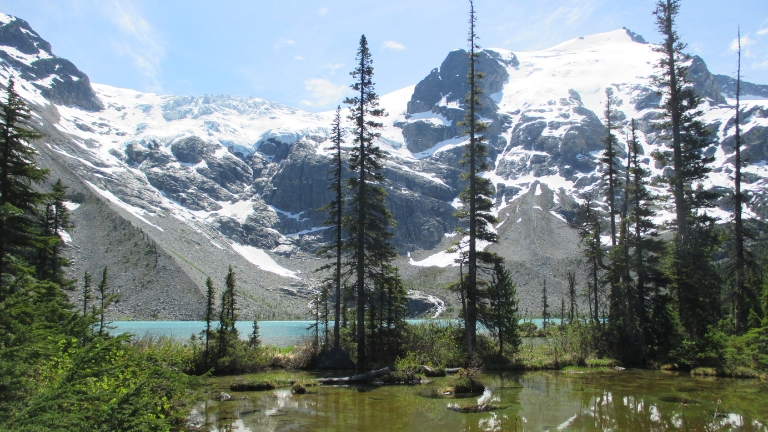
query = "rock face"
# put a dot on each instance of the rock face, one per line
(442, 93)
(422, 305)
(728, 86)
(34, 59)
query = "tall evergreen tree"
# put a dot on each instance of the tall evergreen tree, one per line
(335, 209)
(738, 224)
(571, 276)
(105, 299)
(672, 81)
(227, 333)
(587, 222)
(650, 299)
(498, 311)
(210, 292)
(609, 159)
(476, 198)
(56, 220)
(689, 265)
(18, 173)
(544, 304)
(368, 219)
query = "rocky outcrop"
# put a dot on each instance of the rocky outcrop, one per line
(300, 187)
(450, 81)
(728, 87)
(442, 94)
(421, 305)
(67, 84)
(192, 150)
(421, 221)
(704, 83)
(566, 143)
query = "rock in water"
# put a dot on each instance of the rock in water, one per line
(335, 359)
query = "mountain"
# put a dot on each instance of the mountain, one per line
(167, 190)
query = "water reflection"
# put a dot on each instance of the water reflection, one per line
(620, 401)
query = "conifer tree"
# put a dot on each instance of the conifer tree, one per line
(688, 265)
(227, 316)
(738, 224)
(544, 304)
(587, 222)
(210, 292)
(87, 291)
(476, 198)
(367, 220)
(105, 299)
(335, 208)
(644, 241)
(18, 174)
(571, 276)
(609, 158)
(56, 220)
(254, 339)
(498, 311)
(672, 82)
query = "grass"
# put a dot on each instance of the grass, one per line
(739, 372)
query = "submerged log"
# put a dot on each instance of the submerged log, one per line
(355, 378)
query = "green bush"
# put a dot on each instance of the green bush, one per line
(435, 344)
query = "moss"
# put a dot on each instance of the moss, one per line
(465, 384)
(249, 385)
(602, 363)
(433, 372)
(706, 371)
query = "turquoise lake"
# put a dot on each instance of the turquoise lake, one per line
(277, 333)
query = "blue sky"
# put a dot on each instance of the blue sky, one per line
(300, 52)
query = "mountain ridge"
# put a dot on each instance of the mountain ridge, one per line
(218, 180)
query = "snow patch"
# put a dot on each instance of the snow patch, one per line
(441, 259)
(71, 206)
(64, 236)
(260, 259)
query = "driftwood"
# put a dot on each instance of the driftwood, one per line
(452, 371)
(355, 378)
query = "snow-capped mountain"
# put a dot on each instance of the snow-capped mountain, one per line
(216, 180)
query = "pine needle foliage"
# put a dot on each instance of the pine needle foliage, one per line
(477, 206)
(19, 200)
(367, 220)
(335, 210)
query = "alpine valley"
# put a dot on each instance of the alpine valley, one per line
(167, 190)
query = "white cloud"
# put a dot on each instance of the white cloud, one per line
(139, 40)
(322, 12)
(392, 45)
(746, 42)
(298, 58)
(284, 42)
(762, 32)
(323, 92)
(333, 67)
